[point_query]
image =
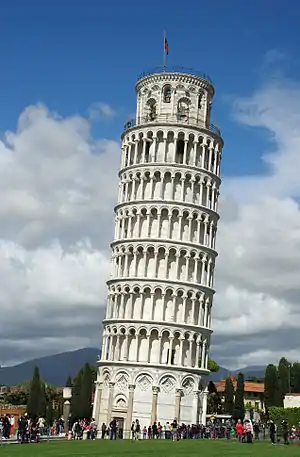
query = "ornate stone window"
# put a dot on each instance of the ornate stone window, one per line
(167, 91)
(183, 109)
(152, 109)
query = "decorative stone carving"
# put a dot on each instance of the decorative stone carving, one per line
(144, 382)
(120, 402)
(167, 384)
(106, 380)
(188, 385)
(122, 382)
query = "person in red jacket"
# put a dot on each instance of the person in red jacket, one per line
(239, 429)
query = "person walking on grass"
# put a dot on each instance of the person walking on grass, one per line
(239, 429)
(272, 432)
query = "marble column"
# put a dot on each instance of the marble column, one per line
(178, 395)
(110, 401)
(196, 406)
(97, 401)
(155, 391)
(204, 406)
(66, 414)
(128, 422)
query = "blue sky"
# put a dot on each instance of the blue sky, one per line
(71, 54)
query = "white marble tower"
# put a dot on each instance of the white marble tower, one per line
(157, 329)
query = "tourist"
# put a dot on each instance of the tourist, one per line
(285, 430)
(239, 430)
(272, 432)
(103, 430)
(248, 431)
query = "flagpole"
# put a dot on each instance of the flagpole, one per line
(165, 54)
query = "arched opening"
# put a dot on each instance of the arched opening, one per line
(179, 151)
(183, 109)
(167, 92)
(152, 110)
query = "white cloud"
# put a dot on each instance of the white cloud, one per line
(100, 110)
(258, 268)
(58, 186)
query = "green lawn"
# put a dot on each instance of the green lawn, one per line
(189, 448)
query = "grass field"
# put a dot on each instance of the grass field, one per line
(190, 448)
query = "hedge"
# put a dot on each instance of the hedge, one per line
(279, 414)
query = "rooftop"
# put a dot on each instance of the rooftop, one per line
(250, 386)
(175, 69)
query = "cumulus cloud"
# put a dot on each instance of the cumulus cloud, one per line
(100, 110)
(259, 242)
(58, 188)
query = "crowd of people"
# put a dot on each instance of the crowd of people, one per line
(29, 430)
(244, 432)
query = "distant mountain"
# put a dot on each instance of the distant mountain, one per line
(255, 371)
(54, 369)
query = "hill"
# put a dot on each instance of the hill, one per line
(256, 371)
(54, 369)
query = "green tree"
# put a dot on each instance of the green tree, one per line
(284, 374)
(86, 392)
(76, 408)
(214, 401)
(43, 401)
(272, 390)
(49, 413)
(34, 400)
(295, 378)
(212, 365)
(239, 406)
(69, 382)
(228, 396)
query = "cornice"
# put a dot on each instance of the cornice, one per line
(168, 203)
(167, 242)
(165, 167)
(161, 325)
(175, 77)
(176, 125)
(152, 282)
(161, 367)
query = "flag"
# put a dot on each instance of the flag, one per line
(166, 46)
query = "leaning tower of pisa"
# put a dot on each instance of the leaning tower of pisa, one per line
(157, 329)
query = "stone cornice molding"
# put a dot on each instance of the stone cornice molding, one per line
(184, 78)
(167, 243)
(184, 285)
(173, 203)
(163, 168)
(145, 365)
(152, 126)
(160, 326)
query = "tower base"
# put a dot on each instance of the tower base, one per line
(149, 394)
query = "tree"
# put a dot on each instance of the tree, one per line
(43, 401)
(76, 396)
(214, 401)
(272, 390)
(284, 373)
(228, 396)
(239, 406)
(69, 382)
(295, 378)
(34, 400)
(212, 365)
(86, 392)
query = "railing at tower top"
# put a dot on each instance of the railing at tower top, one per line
(175, 69)
(165, 118)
